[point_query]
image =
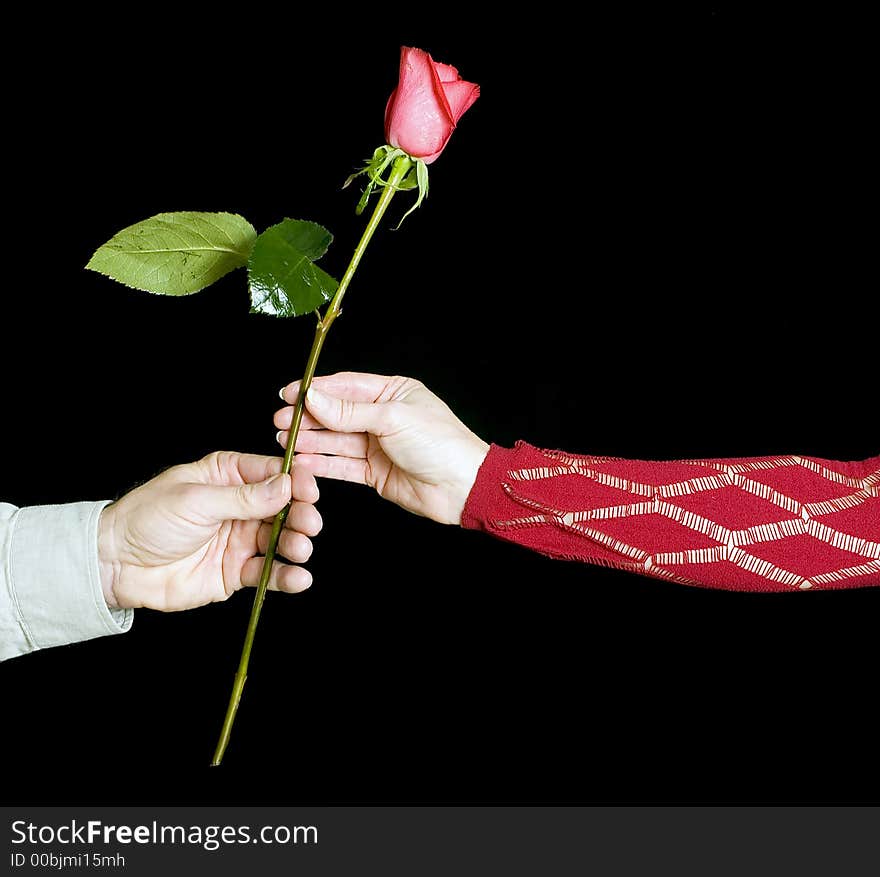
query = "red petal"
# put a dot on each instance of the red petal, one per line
(460, 95)
(446, 72)
(388, 111)
(418, 118)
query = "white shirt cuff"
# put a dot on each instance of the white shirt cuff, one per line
(54, 575)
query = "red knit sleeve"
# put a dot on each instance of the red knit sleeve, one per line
(759, 524)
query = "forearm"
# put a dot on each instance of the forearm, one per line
(760, 524)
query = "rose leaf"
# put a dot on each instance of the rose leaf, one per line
(283, 279)
(176, 253)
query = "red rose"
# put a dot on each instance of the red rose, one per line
(425, 107)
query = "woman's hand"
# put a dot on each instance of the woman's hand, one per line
(194, 534)
(391, 433)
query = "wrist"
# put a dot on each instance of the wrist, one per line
(108, 557)
(470, 466)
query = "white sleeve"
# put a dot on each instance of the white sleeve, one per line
(50, 583)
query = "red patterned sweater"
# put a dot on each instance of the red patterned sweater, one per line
(760, 524)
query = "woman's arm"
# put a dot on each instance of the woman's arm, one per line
(762, 524)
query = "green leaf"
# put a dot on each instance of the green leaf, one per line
(284, 281)
(176, 253)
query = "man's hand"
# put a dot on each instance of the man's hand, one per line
(193, 535)
(393, 434)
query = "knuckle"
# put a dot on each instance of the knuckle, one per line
(401, 385)
(211, 461)
(215, 463)
(346, 412)
(244, 496)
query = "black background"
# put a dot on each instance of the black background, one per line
(648, 238)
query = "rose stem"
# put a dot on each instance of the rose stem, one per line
(398, 172)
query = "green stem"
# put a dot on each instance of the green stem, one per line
(398, 172)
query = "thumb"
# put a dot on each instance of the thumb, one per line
(344, 415)
(245, 502)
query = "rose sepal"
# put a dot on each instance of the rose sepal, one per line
(381, 163)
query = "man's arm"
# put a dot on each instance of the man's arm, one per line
(191, 536)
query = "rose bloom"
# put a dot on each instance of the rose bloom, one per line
(425, 107)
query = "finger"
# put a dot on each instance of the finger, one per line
(292, 545)
(339, 468)
(344, 415)
(325, 441)
(354, 386)
(284, 417)
(230, 467)
(241, 502)
(305, 488)
(283, 576)
(304, 518)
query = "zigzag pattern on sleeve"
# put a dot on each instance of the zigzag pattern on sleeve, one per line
(760, 524)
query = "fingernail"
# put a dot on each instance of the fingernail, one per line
(278, 436)
(313, 395)
(281, 393)
(275, 482)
